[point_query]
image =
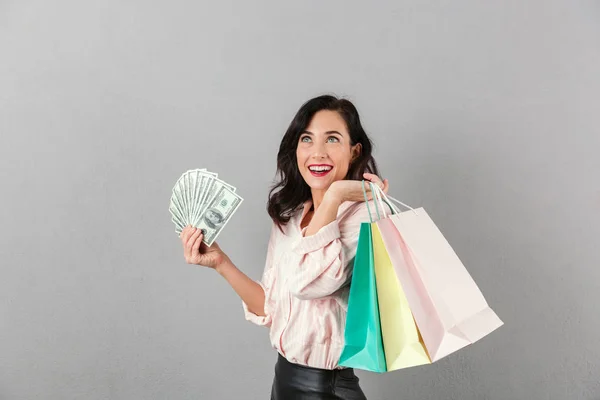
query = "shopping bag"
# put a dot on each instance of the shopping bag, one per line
(363, 347)
(402, 344)
(447, 305)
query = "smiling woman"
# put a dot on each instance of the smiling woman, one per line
(326, 141)
(317, 207)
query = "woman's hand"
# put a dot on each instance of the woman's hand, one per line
(197, 252)
(350, 190)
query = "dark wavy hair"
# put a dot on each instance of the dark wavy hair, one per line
(291, 191)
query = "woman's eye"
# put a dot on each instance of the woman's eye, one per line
(332, 139)
(305, 139)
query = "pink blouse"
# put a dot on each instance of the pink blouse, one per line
(306, 283)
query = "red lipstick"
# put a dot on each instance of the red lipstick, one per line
(320, 170)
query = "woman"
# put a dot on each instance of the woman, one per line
(317, 208)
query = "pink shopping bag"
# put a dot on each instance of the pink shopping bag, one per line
(449, 309)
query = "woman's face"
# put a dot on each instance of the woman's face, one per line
(324, 150)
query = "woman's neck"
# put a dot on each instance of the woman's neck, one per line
(317, 198)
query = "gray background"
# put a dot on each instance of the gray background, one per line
(485, 113)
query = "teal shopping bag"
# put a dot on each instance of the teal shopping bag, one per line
(363, 347)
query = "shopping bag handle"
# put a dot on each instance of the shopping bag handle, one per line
(367, 201)
(389, 203)
(377, 201)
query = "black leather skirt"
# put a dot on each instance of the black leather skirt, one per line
(298, 382)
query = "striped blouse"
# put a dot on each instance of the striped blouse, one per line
(306, 283)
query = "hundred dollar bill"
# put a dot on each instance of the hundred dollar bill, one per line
(212, 188)
(177, 220)
(197, 191)
(217, 213)
(177, 200)
(175, 209)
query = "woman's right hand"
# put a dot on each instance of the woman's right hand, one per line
(198, 253)
(351, 190)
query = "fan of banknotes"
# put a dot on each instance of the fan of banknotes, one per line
(204, 201)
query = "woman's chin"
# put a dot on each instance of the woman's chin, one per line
(319, 185)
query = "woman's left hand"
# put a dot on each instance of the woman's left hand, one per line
(350, 190)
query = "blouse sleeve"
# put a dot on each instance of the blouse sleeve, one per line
(266, 283)
(323, 262)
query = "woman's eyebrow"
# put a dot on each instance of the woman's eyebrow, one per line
(327, 133)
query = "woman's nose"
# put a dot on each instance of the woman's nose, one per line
(319, 151)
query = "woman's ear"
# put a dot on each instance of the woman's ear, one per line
(356, 151)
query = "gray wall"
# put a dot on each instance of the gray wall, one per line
(485, 113)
